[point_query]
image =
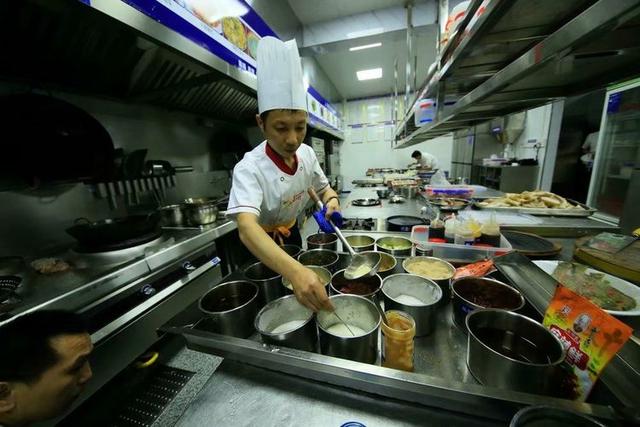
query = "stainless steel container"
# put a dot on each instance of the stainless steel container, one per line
(231, 308)
(388, 245)
(510, 351)
(326, 241)
(198, 214)
(409, 191)
(388, 263)
(355, 311)
(382, 194)
(443, 282)
(292, 250)
(320, 257)
(288, 323)
(548, 416)
(267, 280)
(367, 287)
(171, 216)
(360, 243)
(323, 274)
(400, 289)
(473, 293)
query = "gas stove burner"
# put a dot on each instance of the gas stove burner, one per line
(113, 257)
(366, 224)
(125, 244)
(366, 202)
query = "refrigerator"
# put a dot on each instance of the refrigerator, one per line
(615, 175)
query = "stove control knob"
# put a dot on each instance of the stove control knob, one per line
(188, 267)
(148, 290)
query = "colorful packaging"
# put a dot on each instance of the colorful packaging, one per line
(477, 269)
(590, 336)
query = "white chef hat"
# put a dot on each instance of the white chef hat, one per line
(280, 84)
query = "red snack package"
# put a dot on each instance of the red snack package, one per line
(477, 269)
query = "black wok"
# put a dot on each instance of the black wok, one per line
(114, 230)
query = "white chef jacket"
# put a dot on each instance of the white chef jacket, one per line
(428, 161)
(263, 184)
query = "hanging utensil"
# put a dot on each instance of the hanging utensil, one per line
(361, 265)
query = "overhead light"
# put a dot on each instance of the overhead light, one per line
(365, 46)
(374, 73)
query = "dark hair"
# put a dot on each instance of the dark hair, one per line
(265, 114)
(26, 348)
(416, 154)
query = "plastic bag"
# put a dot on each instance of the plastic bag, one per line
(590, 336)
(438, 179)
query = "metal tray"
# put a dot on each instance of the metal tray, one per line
(588, 211)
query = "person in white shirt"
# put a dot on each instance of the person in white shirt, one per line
(269, 187)
(424, 160)
(589, 149)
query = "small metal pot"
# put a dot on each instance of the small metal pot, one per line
(320, 257)
(467, 290)
(171, 215)
(510, 351)
(292, 250)
(384, 244)
(288, 323)
(231, 308)
(387, 263)
(549, 416)
(366, 287)
(326, 241)
(397, 287)
(323, 274)
(444, 283)
(200, 214)
(409, 191)
(267, 280)
(361, 243)
(355, 311)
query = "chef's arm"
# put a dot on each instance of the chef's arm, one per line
(330, 199)
(306, 286)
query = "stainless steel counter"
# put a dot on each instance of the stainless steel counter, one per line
(88, 281)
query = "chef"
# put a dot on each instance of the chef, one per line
(424, 160)
(269, 188)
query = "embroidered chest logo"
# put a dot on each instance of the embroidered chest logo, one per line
(289, 202)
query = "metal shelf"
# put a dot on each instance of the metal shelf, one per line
(594, 48)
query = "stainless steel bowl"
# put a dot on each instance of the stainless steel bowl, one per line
(231, 308)
(548, 416)
(473, 293)
(444, 283)
(366, 287)
(512, 352)
(200, 214)
(171, 215)
(288, 323)
(267, 280)
(397, 199)
(387, 244)
(360, 243)
(355, 311)
(326, 241)
(397, 287)
(320, 257)
(388, 263)
(323, 274)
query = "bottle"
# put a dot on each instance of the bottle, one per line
(436, 229)
(450, 229)
(476, 229)
(463, 234)
(398, 340)
(491, 232)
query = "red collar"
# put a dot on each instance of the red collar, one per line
(279, 161)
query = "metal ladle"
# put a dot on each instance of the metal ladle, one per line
(361, 265)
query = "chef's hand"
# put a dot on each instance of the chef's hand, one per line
(310, 291)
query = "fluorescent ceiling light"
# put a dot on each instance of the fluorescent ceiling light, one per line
(365, 46)
(374, 73)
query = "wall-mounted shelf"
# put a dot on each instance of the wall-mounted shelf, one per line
(520, 54)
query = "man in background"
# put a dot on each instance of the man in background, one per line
(43, 366)
(424, 161)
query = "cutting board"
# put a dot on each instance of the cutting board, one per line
(624, 264)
